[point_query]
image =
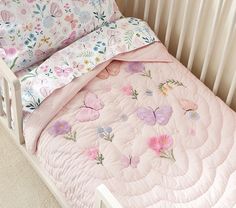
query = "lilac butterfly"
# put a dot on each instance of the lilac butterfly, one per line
(160, 115)
(130, 161)
(90, 110)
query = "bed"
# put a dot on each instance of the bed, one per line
(114, 120)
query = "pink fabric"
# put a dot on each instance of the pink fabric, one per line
(34, 123)
(164, 141)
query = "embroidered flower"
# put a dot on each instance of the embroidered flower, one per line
(162, 145)
(60, 128)
(135, 67)
(106, 133)
(154, 144)
(149, 92)
(94, 154)
(193, 115)
(165, 141)
(129, 91)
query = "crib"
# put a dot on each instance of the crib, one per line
(181, 26)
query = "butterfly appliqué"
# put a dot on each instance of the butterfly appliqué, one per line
(90, 110)
(160, 115)
(131, 161)
(190, 109)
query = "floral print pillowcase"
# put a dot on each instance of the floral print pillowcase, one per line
(32, 30)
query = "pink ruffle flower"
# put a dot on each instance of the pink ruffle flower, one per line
(160, 143)
(92, 153)
(127, 90)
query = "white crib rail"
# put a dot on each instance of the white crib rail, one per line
(165, 14)
(10, 102)
(105, 199)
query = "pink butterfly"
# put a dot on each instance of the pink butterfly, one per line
(70, 39)
(130, 161)
(90, 110)
(190, 109)
(188, 105)
(150, 117)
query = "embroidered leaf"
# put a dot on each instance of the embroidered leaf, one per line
(134, 94)
(147, 74)
(100, 159)
(71, 136)
(168, 85)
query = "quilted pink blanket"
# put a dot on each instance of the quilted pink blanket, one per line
(145, 127)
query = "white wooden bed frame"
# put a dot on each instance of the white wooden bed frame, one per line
(11, 84)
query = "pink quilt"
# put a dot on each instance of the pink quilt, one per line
(144, 126)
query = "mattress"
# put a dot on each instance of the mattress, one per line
(143, 125)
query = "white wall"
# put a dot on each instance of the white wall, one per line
(228, 11)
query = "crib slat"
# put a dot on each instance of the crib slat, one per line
(169, 24)
(220, 69)
(135, 11)
(146, 10)
(231, 90)
(183, 31)
(7, 102)
(158, 16)
(195, 33)
(125, 7)
(211, 41)
(1, 106)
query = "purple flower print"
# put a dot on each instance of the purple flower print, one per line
(135, 67)
(138, 67)
(60, 128)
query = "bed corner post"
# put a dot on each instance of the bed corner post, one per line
(17, 111)
(105, 199)
(11, 96)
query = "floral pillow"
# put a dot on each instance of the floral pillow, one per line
(31, 30)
